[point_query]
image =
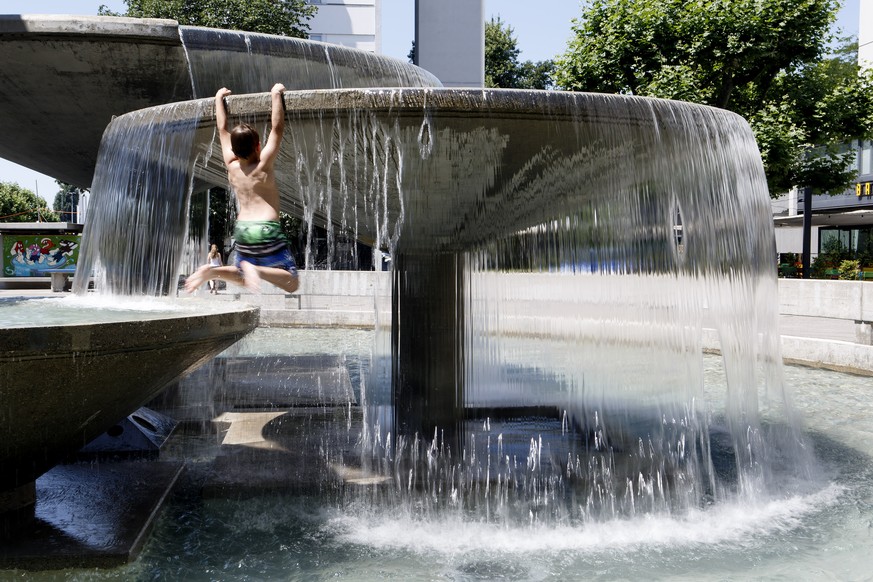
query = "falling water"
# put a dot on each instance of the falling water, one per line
(139, 208)
(565, 253)
(130, 196)
(597, 249)
(250, 63)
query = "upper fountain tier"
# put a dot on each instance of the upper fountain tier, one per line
(437, 169)
(65, 77)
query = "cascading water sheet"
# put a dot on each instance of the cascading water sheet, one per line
(251, 62)
(612, 302)
(557, 257)
(138, 226)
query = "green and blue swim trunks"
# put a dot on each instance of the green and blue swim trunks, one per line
(263, 244)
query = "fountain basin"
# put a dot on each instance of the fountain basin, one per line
(446, 179)
(62, 385)
(109, 66)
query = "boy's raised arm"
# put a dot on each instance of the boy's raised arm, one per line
(221, 124)
(277, 117)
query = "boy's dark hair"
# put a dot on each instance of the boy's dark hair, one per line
(243, 139)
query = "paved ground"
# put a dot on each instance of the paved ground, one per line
(817, 327)
(46, 292)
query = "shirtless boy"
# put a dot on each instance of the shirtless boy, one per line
(262, 250)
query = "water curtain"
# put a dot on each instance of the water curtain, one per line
(554, 254)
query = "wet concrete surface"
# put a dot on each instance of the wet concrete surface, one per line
(269, 423)
(263, 424)
(90, 515)
(247, 425)
(298, 451)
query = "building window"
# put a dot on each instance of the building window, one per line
(856, 242)
(865, 159)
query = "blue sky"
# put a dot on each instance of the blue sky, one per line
(542, 30)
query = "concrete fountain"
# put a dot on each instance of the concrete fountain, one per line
(442, 176)
(551, 252)
(64, 384)
(110, 66)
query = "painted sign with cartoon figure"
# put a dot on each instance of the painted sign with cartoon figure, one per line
(30, 256)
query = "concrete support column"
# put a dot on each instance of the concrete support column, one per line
(427, 343)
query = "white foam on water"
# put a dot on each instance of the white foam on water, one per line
(738, 524)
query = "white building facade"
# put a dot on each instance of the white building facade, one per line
(350, 23)
(449, 34)
(450, 40)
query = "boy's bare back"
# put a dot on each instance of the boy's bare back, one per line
(253, 178)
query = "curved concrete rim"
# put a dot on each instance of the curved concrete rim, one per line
(523, 127)
(67, 76)
(548, 105)
(72, 24)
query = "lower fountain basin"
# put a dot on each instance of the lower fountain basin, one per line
(63, 384)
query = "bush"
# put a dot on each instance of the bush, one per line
(849, 270)
(833, 253)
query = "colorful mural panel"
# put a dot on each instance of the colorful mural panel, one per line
(32, 255)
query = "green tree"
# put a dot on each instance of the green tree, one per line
(19, 204)
(803, 135)
(282, 17)
(66, 201)
(502, 68)
(763, 59)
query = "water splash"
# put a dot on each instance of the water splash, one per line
(733, 525)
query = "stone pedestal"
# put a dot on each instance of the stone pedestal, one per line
(427, 343)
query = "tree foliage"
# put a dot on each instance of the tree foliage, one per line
(222, 213)
(803, 131)
(19, 204)
(66, 201)
(763, 59)
(502, 68)
(282, 17)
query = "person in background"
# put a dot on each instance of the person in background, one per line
(213, 259)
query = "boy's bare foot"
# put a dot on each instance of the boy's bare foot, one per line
(196, 279)
(251, 277)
